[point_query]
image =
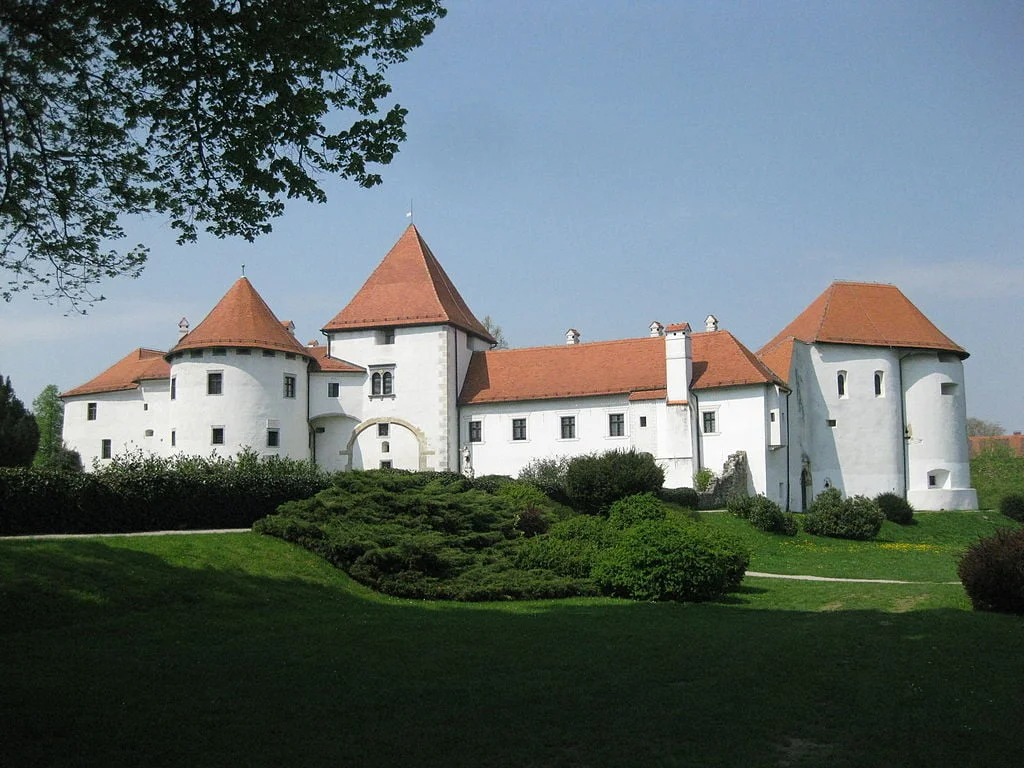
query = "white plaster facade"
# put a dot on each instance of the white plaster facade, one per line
(426, 393)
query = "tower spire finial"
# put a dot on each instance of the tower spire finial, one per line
(243, 270)
(408, 214)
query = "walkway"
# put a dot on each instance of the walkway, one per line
(832, 578)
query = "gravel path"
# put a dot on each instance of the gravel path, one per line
(831, 578)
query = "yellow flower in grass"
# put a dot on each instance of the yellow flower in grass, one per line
(908, 547)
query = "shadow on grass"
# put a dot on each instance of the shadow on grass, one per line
(118, 656)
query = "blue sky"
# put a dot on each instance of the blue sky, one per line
(599, 165)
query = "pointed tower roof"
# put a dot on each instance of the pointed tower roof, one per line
(241, 319)
(409, 287)
(868, 314)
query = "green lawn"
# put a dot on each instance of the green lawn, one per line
(241, 650)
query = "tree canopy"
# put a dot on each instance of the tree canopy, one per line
(210, 112)
(48, 410)
(982, 428)
(19, 435)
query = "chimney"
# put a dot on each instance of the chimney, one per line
(572, 336)
(710, 323)
(289, 326)
(657, 329)
(182, 328)
(678, 362)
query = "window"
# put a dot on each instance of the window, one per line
(289, 385)
(386, 336)
(145, 406)
(174, 438)
(476, 433)
(289, 355)
(643, 421)
(333, 389)
(710, 427)
(385, 447)
(383, 429)
(878, 383)
(217, 435)
(932, 481)
(831, 422)
(841, 383)
(948, 388)
(269, 353)
(219, 352)
(148, 433)
(195, 353)
(90, 411)
(174, 387)
(386, 464)
(273, 438)
(215, 383)
(382, 384)
(243, 351)
(105, 449)
(616, 425)
(518, 429)
(568, 427)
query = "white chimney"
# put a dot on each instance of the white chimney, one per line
(182, 327)
(657, 329)
(678, 362)
(572, 336)
(710, 323)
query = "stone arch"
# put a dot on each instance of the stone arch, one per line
(421, 438)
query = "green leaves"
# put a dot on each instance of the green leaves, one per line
(210, 112)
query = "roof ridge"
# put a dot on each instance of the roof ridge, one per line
(574, 346)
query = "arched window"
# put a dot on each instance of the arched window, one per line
(387, 383)
(375, 384)
(878, 383)
(841, 383)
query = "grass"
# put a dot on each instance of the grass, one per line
(237, 649)
(995, 474)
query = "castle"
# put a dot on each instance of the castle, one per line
(860, 392)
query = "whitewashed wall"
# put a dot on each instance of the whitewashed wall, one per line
(123, 417)
(740, 422)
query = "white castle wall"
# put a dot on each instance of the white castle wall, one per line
(125, 418)
(252, 402)
(741, 414)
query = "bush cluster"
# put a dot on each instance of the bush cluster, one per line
(669, 560)
(143, 493)
(595, 481)
(831, 515)
(895, 508)
(548, 475)
(1012, 505)
(627, 512)
(763, 513)
(992, 572)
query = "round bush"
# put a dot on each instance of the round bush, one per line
(627, 512)
(666, 560)
(992, 572)
(765, 515)
(895, 508)
(594, 482)
(833, 516)
(1012, 505)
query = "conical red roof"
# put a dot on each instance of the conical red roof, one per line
(241, 319)
(409, 287)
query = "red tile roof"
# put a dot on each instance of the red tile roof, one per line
(241, 319)
(633, 367)
(1013, 443)
(321, 362)
(126, 373)
(779, 358)
(409, 287)
(869, 314)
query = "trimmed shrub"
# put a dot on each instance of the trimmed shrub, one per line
(1012, 506)
(594, 482)
(992, 572)
(895, 508)
(765, 515)
(702, 479)
(627, 512)
(665, 560)
(569, 548)
(491, 483)
(838, 518)
(684, 497)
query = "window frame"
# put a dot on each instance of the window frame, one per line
(106, 448)
(290, 386)
(382, 381)
(520, 426)
(273, 437)
(843, 385)
(174, 387)
(879, 383)
(383, 429)
(333, 389)
(214, 430)
(91, 411)
(567, 422)
(617, 424)
(210, 380)
(475, 430)
(712, 414)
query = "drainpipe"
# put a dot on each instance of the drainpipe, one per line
(458, 416)
(312, 432)
(788, 468)
(903, 423)
(696, 402)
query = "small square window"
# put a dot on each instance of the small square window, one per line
(195, 353)
(269, 353)
(831, 422)
(386, 464)
(148, 433)
(243, 351)
(568, 427)
(90, 411)
(273, 438)
(289, 355)
(215, 383)
(383, 429)
(289, 385)
(385, 447)
(476, 433)
(217, 435)
(932, 482)
(333, 389)
(518, 429)
(105, 449)
(145, 406)
(219, 352)
(386, 336)
(643, 421)
(616, 425)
